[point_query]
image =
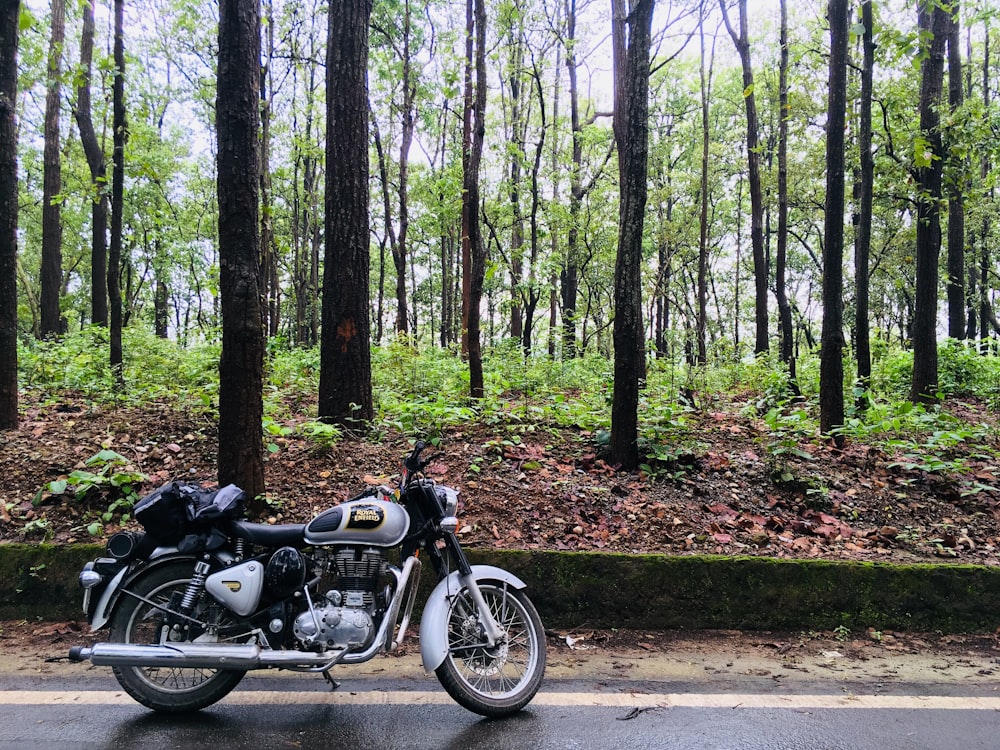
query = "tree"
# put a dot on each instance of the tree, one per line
(345, 381)
(473, 247)
(831, 373)
(760, 271)
(82, 111)
(241, 365)
(9, 28)
(706, 85)
(956, 189)
(117, 192)
(51, 270)
(866, 181)
(398, 240)
(934, 22)
(780, 262)
(631, 41)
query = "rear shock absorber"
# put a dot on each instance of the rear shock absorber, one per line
(195, 587)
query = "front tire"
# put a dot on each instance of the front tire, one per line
(501, 680)
(169, 689)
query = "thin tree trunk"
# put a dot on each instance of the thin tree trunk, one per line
(241, 366)
(268, 256)
(956, 190)
(781, 292)
(345, 383)
(569, 280)
(863, 236)
(98, 174)
(985, 260)
(408, 114)
(933, 21)
(51, 270)
(831, 374)
(631, 32)
(117, 193)
(9, 28)
(473, 247)
(760, 270)
(702, 289)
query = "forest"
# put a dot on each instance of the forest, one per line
(596, 216)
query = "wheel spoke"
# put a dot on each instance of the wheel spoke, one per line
(500, 670)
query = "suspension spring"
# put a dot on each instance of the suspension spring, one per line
(196, 586)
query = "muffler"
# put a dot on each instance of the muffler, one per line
(202, 656)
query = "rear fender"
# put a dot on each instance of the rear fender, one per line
(123, 579)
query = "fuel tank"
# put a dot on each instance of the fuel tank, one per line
(374, 522)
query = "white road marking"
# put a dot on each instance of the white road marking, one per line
(596, 700)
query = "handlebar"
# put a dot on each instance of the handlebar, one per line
(412, 464)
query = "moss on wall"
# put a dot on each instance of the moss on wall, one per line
(572, 589)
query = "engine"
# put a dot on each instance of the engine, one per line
(345, 616)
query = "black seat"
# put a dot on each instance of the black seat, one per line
(281, 535)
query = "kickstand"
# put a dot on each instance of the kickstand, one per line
(333, 683)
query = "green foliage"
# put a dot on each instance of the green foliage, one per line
(106, 470)
(962, 372)
(155, 368)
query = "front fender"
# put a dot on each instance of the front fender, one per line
(434, 621)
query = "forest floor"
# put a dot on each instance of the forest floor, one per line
(544, 489)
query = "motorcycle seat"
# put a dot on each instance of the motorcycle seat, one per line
(268, 535)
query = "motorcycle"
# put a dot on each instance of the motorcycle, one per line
(187, 620)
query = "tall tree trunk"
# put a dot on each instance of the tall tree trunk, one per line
(631, 32)
(345, 382)
(569, 280)
(515, 153)
(781, 292)
(933, 22)
(863, 236)
(760, 270)
(117, 193)
(702, 291)
(268, 255)
(956, 190)
(10, 11)
(408, 115)
(473, 247)
(831, 372)
(241, 366)
(51, 269)
(98, 174)
(985, 259)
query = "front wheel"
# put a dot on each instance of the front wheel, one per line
(145, 621)
(499, 680)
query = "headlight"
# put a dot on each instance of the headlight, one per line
(449, 497)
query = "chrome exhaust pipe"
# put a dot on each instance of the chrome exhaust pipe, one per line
(201, 656)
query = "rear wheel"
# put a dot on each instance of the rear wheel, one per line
(499, 680)
(145, 621)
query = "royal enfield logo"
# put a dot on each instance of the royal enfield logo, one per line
(233, 586)
(366, 517)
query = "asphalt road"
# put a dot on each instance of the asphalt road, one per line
(591, 699)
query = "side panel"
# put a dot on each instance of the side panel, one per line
(434, 621)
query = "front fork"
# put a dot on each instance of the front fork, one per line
(492, 631)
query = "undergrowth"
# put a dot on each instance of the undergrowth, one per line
(423, 391)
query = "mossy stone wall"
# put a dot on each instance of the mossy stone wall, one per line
(580, 589)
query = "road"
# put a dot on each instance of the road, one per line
(715, 696)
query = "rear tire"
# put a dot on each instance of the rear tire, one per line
(168, 689)
(501, 680)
